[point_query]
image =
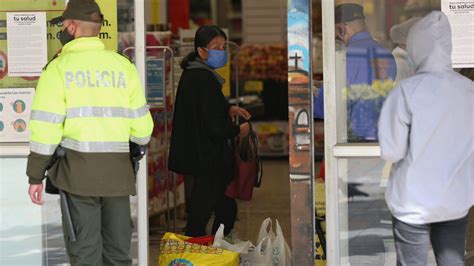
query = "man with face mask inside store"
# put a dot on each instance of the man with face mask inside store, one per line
(367, 63)
(89, 104)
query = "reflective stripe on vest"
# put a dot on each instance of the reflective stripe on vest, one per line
(77, 112)
(47, 117)
(140, 141)
(45, 149)
(95, 146)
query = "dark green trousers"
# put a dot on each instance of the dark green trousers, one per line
(103, 227)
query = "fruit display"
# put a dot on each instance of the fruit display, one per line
(263, 62)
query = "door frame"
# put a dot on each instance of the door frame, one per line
(334, 150)
(142, 187)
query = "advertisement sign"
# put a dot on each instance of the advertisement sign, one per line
(460, 14)
(27, 47)
(52, 9)
(15, 109)
(155, 81)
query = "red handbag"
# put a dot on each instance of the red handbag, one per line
(248, 169)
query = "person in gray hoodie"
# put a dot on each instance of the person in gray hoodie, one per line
(426, 128)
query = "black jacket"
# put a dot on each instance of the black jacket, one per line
(202, 129)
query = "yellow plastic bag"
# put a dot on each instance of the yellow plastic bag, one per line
(174, 251)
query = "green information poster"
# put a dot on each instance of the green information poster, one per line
(53, 8)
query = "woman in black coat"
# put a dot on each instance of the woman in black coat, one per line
(203, 132)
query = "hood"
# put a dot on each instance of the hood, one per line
(429, 43)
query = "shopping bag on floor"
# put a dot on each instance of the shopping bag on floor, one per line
(220, 242)
(281, 253)
(174, 251)
(261, 255)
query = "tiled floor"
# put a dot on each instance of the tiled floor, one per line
(367, 232)
(272, 200)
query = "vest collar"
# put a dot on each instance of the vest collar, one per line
(84, 43)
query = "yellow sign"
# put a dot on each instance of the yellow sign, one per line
(53, 8)
(253, 86)
(225, 73)
(108, 33)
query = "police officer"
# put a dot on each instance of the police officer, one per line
(90, 102)
(366, 62)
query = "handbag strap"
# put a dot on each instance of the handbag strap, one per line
(258, 180)
(254, 139)
(253, 136)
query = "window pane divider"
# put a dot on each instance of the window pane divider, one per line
(348, 150)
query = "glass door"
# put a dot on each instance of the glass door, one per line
(359, 72)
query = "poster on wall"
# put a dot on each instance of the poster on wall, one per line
(461, 17)
(15, 109)
(155, 81)
(27, 47)
(52, 9)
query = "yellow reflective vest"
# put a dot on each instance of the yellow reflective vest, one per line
(90, 101)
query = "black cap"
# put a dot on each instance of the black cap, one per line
(84, 10)
(348, 12)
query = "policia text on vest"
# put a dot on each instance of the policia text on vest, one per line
(95, 79)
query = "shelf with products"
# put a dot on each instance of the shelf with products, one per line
(263, 83)
(263, 72)
(229, 16)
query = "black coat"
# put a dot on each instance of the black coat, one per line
(202, 129)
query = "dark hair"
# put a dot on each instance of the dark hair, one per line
(202, 38)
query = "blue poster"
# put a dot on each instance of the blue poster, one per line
(155, 81)
(298, 35)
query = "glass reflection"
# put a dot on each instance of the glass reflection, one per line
(370, 61)
(365, 226)
(370, 71)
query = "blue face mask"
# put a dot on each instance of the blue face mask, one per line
(216, 58)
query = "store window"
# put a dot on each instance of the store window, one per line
(370, 61)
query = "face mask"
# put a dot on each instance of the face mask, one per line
(65, 37)
(216, 58)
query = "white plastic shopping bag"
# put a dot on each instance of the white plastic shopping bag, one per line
(281, 253)
(219, 242)
(261, 255)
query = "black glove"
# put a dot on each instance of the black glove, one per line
(58, 153)
(137, 151)
(136, 154)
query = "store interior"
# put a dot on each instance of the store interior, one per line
(258, 83)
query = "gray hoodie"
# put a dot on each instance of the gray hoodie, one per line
(426, 128)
